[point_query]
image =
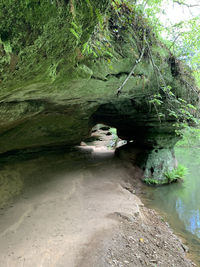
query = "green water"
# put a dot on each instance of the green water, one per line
(180, 203)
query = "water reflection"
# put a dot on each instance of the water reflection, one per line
(191, 218)
(188, 202)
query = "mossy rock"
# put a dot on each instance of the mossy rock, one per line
(52, 92)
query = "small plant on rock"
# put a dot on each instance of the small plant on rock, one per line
(151, 181)
(176, 174)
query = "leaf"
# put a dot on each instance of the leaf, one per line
(84, 47)
(191, 106)
(74, 25)
(74, 33)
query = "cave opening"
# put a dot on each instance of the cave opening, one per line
(103, 137)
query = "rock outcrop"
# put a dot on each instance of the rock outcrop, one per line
(61, 65)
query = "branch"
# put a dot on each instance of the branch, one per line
(179, 2)
(132, 71)
(175, 39)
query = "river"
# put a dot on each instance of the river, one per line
(180, 203)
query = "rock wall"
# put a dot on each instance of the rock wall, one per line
(61, 65)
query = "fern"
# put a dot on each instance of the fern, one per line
(90, 7)
(75, 33)
(176, 174)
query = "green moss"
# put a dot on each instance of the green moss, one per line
(47, 44)
(151, 181)
(50, 88)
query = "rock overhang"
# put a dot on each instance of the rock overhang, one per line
(53, 94)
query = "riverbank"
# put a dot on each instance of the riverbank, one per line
(79, 209)
(172, 243)
(179, 203)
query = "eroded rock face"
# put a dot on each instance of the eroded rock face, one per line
(53, 92)
(158, 162)
(153, 141)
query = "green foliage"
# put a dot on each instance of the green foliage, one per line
(151, 181)
(156, 100)
(190, 138)
(76, 31)
(167, 101)
(114, 139)
(24, 17)
(39, 39)
(179, 110)
(113, 131)
(90, 7)
(85, 33)
(196, 74)
(187, 42)
(182, 38)
(99, 44)
(176, 174)
(171, 176)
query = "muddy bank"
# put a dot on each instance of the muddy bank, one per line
(178, 203)
(140, 240)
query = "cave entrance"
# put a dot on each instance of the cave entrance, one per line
(103, 137)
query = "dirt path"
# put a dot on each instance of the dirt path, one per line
(83, 215)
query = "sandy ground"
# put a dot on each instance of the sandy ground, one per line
(87, 216)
